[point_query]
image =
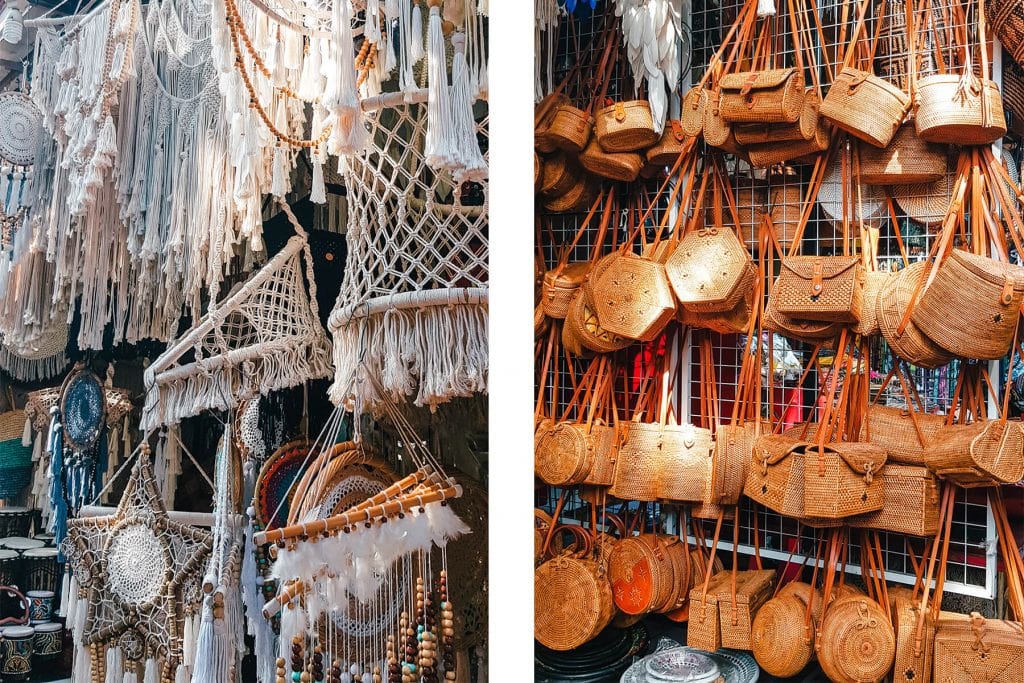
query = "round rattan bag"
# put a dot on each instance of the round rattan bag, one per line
(857, 643)
(893, 300)
(926, 203)
(642, 574)
(572, 602)
(779, 638)
(868, 200)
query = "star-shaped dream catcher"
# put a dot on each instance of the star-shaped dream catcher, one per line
(137, 573)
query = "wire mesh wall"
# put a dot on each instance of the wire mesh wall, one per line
(900, 225)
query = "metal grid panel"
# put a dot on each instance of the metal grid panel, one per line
(916, 211)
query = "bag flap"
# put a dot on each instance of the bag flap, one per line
(804, 267)
(771, 449)
(863, 458)
(746, 81)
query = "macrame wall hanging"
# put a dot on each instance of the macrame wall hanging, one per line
(136, 587)
(38, 419)
(381, 566)
(264, 336)
(413, 304)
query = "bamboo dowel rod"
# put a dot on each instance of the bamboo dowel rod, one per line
(204, 519)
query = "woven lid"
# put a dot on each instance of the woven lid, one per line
(772, 448)
(754, 80)
(857, 641)
(568, 277)
(893, 300)
(861, 457)
(561, 455)
(21, 125)
(996, 272)
(831, 266)
(569, 597)
(707, 265)
(633, 298)
(778, 636)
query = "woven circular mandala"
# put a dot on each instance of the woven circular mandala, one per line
(275, 486)
(136, 565)
(83, 406)
(358, 483)
(20, 124)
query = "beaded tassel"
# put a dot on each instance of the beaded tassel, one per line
(447, 629)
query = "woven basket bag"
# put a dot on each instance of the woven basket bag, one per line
(625, 126)
(703, 630)
(710, 270)
(570, 128)
(641, 573)
(732, 321)
(913, 345)
(874, 281)
(679, 553)
(913, 664)
(560, 174)
(946, 110)
(563, 456)
(893, 428)
(908, 159)
(734, 448)
(802, 129)
(623, 166)
(572, 602)
(776, 478)
(795, 152)
(823, 288)
(976, 649)
(576, 199)
(717, 131)
(911, 503)
(809, 331)
(669, 147)
(636, 473)
(583, 321)
(683, 460)
(560, 284)
(926, 203)
(804, 593)
(573, 345)
(770, 96)
(736, 611)
(549, 105)
(972, 306)
(865, 106)
(985, 453)
(1007, 20)
(691, 112)
(633, 298)
(857, 643)
(843, 479)
(778, 637)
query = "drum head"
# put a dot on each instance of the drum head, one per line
(48, 627)
(18, 632)
(20, 543)
(45, 553)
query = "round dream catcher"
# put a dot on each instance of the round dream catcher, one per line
(83, 408)
(20, 125)
(275, 487)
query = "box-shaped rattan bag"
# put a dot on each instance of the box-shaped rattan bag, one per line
(736, 613)
(683, 460)
(985, 453)
(770, 96)
(901, 432)
(911, 503)
(825, 288)
(843, 479)
(977, 649)
(703, 630)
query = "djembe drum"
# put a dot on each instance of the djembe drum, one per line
(40, 570)
(15, 521)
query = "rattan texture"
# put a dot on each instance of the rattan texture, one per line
(572, 602)
(912, 665)
(1006, 19)
(625, 126)
(753, 589)
(892, 428)
(683, 461)
(21, 126)
(959, 656)
(621, 166)
(979, 454)
(911, 507)
(908, 160)
(857, 643)
(412, 310)
(926, 203)
(839, 298)
(867, 201)
(641, 573)
(770, 96)
(583, 322)
(632, 298)
(734, 448)
(636, 473)
(945, 110)
(874, 282)
(709, 270)
(865, 106)
(778, 637)
(564, 456)
(833, 489)
(913, 345)
(703, 630)
(972, 306)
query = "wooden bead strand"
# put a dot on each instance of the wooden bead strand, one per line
(447, 628)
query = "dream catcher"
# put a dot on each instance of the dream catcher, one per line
(78, 446)
(39, 416)
(136, 583)
(367, 598)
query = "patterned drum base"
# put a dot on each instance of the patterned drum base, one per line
(136, 565)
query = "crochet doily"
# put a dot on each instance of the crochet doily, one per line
(135, 564)
(20, 124)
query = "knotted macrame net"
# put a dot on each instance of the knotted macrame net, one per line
(412, 310)
(265, 336)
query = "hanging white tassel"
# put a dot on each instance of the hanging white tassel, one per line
(277, 186)
(292, 56)
(416, 46)
(437, 146)
(318, 191)
(188, 645)
(181, 675)
(152, 674)
(130, 677)
(107, 143)
(115, 668)
(310, 82)
(211, 663)
(765, 8)
(343, 100)
(65, 591)
(391, 16)
(471, 164)
(26, 436)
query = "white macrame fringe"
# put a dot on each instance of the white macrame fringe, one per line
(115, 670)
(416, 46)
(317, 191)
(469, 162)
(435, 353)
(765, 8)
(31, 370)
(152, 673)
(213, 659)
(437, 147)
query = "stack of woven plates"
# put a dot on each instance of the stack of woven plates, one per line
(689, 665)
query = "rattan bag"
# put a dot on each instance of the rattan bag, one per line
(623, 166)
(642, 574)
(905, 435)
(865, 106)
(823, 288)
(856, 643)
(780, 642)
(632, 297)
(625, 126)
(981, 454)
(734, 448)
(977, 649)
(912, 345)
(911, 507)
(908, 159)
(572, 602)
(843, 479)
(672, 143)
(710, 270)
(769, 96)
(913, 658)
(745, 593)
